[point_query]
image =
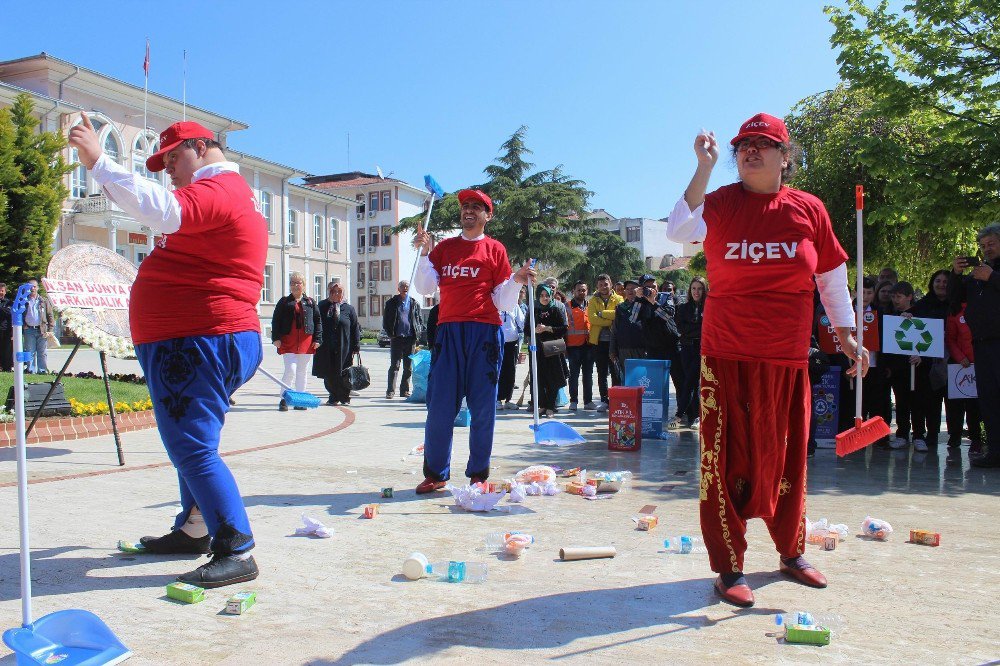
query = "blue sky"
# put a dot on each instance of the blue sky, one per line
(613, 91)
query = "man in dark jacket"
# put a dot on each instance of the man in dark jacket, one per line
(980, 291)
(660, 332)
(626, 330)
(403, 323)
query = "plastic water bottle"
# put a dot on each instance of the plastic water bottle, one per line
(458, 572)
(805, 619)
(683, 544)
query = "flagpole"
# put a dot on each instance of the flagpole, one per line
(184, 87)
(145, 94)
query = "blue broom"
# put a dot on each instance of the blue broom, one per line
(291, 397)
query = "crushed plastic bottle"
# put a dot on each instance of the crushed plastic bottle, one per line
(683, 545)
(805, 619)
(498, 540)
(458, 572)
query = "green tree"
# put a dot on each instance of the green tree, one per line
(536, 215)
(31, 187)
(606, 253)
(933, 68)
(837, 131)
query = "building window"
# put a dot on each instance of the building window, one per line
(334, 235)
(266, 201)
(78, 179)
(318, 232)
(386, 236)
(387, 269)
(139, 256)
(267, 291)
(293, 227)
(385, 299)
(373, 237)
(386, 200)
(631, 234)
(373, 270)
(361, 306)
(361, 273)
(373, 201)
(361, 240)
(111, 147)
(145, 145)
(375, 306)
(319, 287)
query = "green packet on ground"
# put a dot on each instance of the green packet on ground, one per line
(240, 602)
(129, 547)
(186, 592)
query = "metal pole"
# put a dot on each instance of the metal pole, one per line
(22, 463)
(860, 305)
(111, 409)
(531, 352)
(427, 221)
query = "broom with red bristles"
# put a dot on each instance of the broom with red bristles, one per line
(868, 432)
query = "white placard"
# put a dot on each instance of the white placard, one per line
(962, 381)
(914, 336)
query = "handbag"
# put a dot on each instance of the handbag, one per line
(553, 347)
(356, 377)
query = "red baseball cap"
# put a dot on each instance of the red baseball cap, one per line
(476, 195)
(763, 125)
(172, 137)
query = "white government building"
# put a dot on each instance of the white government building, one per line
(333, 227)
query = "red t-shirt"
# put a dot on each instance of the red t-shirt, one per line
(204, 279)
(468, 273)
(762, 251)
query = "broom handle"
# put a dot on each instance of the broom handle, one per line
(22, 462)
(275, 379)
(427, 221)
(859, 199)
(531, 350)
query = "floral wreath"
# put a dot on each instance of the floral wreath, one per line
(113, 345)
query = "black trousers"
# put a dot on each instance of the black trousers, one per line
(400, 349)
(338, 391)
(6, 352)
(988, 386)
(688, 396)
(508, 368)
(964, 410)
(909, 405)
(602, 359)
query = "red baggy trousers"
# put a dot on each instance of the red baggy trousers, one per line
(754, 435)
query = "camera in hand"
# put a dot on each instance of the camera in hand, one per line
(972, 262)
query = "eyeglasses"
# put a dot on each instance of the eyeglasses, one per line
(756, 144)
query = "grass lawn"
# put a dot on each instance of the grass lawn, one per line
(84, 390)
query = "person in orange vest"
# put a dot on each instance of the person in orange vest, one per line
(579, 351)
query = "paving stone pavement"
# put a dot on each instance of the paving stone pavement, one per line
(343, 600)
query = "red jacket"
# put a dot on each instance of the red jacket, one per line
(958, 337)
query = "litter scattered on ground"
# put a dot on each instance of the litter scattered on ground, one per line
(387, 493)
(873, 528)
(129, 547)
(371, 511)
(820, 531)
(416, 566)
(473, 498)
(646, 522)
(586, 553)
(802, 628)
(511, 543)
(240, 603)
(352, 471)
(535, 474)
(417, 450)
(312, 527)
(189, 594)
(925, 537)
(683, 544)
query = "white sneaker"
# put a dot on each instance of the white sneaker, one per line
(510, 405)
(919, 446)
(572, 406)
(602, 407)
(590, 405)
(696, 423)
(898, 443)
(499, 406)
(673, 424)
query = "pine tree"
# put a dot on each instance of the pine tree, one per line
(33, 180)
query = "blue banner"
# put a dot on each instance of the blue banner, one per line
(826, 403)
(654, 377)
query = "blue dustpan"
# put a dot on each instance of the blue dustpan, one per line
(68, 637)
(292, 397)
(551, 433)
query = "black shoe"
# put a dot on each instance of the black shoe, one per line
(282, 406)
(954, 442)
(221, 570)
(404, 394)
(389, 395)
(331, 402)
(301, 409)
(177, 543)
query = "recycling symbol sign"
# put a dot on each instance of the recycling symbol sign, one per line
(912, 334)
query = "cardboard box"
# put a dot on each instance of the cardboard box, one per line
(809, 634)
(625, 418)
(925, 537)
(189, 594)
(240, 602)
(647, 523)
(371, 510)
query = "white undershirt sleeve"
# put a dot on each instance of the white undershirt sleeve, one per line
(505, 294)
(685, 225)
(149, 203)
(426, 279)
(836, 298)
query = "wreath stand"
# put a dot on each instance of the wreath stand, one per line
(107, 391)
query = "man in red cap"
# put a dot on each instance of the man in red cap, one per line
(760, 237)
(476, 282)
(194, 324)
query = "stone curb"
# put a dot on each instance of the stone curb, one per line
(77, 427)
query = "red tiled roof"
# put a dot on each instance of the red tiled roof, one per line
(352, 183)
